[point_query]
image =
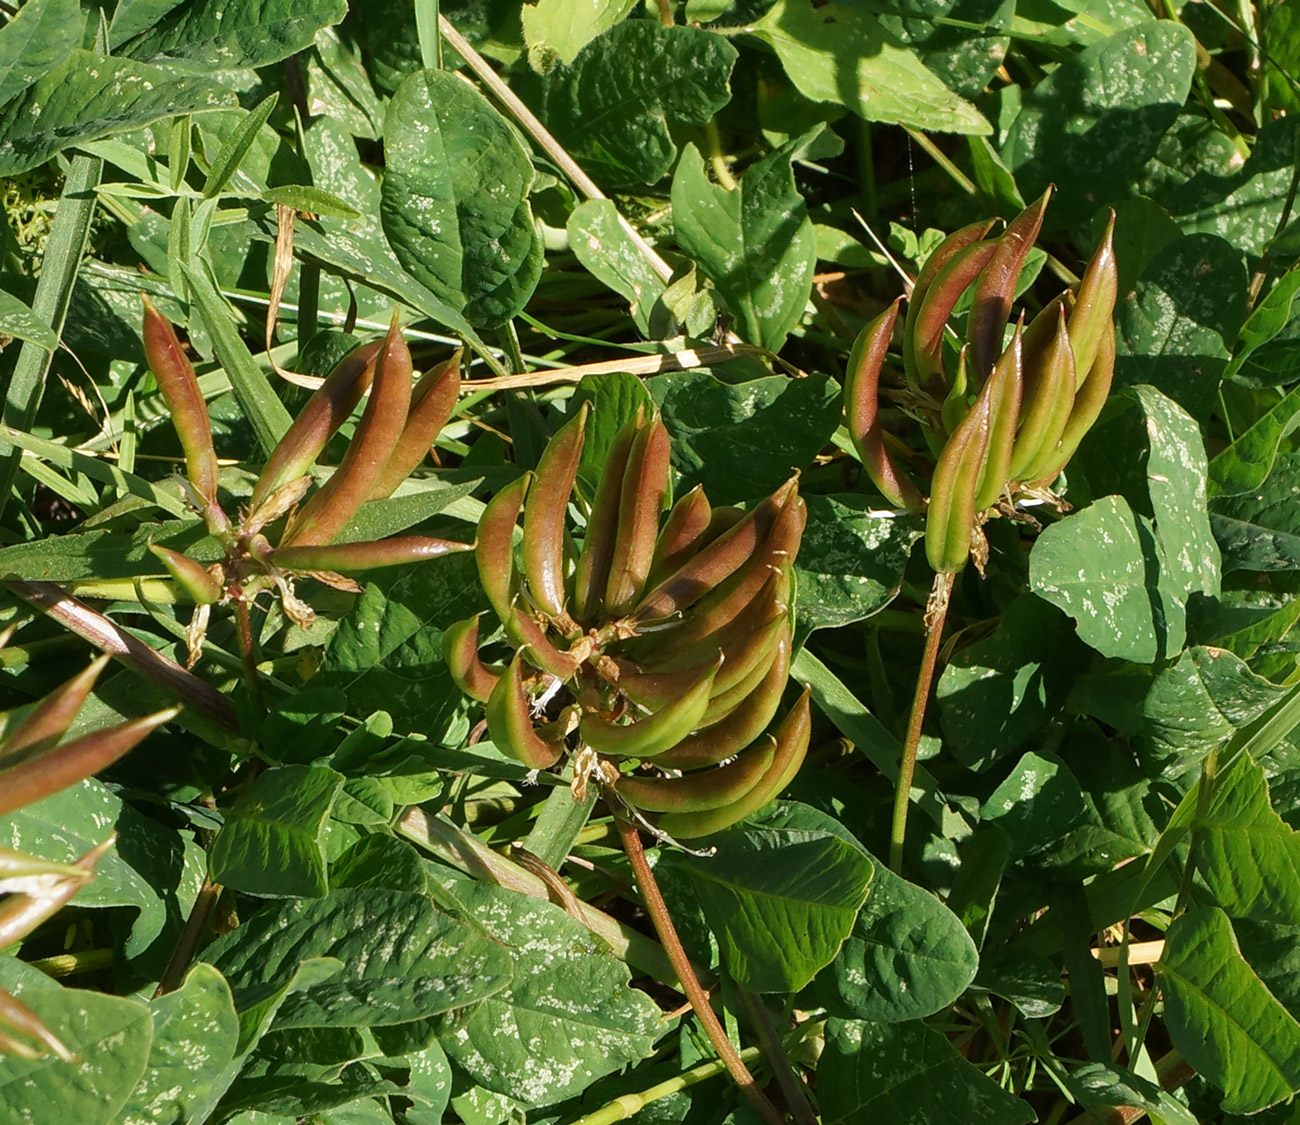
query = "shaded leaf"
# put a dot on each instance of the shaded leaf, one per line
(1105, 1086)
(1247, 462)
(36, 40)
(1037, 804)
(1260, 529)
(600, 243)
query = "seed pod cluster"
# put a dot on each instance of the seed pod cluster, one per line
(663, 641)
(400, 422)
(1003, 419)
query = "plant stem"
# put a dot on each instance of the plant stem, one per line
(936, 610)
(717, 158)
(188, 944)
(794, 1092)
(663, 924)
(65, 964)
(629, 1105)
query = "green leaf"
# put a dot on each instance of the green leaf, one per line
(571, 1013)
(455, 198)
(1104, 1087)
(1093, 123)
(304, 197)
(1175, 331)
(109, 1038)
(402, 960)
(600, 242)
(150, 869)
(744, 440)
(614, 109)
(754, 242)
(130, 17)
(1260, 529)
(1273, 951)
(906, 1074)
(850, 563)
(995, 695)
(195, 1038)
(842, 54)
(91, 96)
(1246, 463)
(1266, 319)
(907, 957)
(1248, 856)
(265, 412)
(1103, 567)
(379, 861)
(381, 518)
(36, 40)
(18, 320)
(1221, 1017)
(1176, 484)
(1037, 804)
(1197, 704)
(207, 35)
(236, 147)
(559, 29)
(272, 842)
(781, 900)
(963, 41)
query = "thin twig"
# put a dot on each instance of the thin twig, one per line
(543, 139)
(655, 906)
(794, 1091)
(191, 936)
(94, 627)
(935, 611)
(644, 366)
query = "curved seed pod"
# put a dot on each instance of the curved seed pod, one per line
(544, 514)
(328, 408)
(653, 690)
(1005, 387)
(20, 914)
(524, 632)
(746, 721)
(180, 388)
(496, 545)
(925, 330)
(723, 704)
(939, 257)
(682, 533)
(1049, 408)
(20, 1019)
(592, 572)
(721, 520)
(334, 504)
(432, 401)
(348, 558)
(862, 410)
(35, 778)
(660, 731)
(950, 517)
(192, 577)
(996, 287)
(460, 651)
(645, 483)
(791, 748)
(1040, 335)
(698, 792)
(744, 656)
(54, 714)
(716, 562)
(510, 722)
(1095, 305)
(958, 400)
(769, 603)
(1087, 405)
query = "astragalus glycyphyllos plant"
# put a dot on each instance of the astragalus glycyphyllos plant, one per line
(1003, 417)
(395, 433)
(34, 766)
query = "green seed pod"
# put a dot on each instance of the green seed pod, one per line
(460, 651)
(950, 518)
(334, 504)
(996, 287)
(958, 401)
(432, 403)
(645, 483)
(1088, 404)
(546, 512)
(939, 257)
(524, 632)
(1005, 387)
(1049, 408)
(351, 558)
(655, 733)
(791, 747)
(723, 704)
(862, 410)
(698, 792)
(496, 545)
(510, 722)
(192, 577)
(1094, 308)
(328, 408)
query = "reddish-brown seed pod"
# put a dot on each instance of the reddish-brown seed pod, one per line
(925, 329)
(192, 577)
(1006, 385)
(510, 722)
(460, 651)
(350, 558)
(334, 504)
(20, 914)
(592, 573)
(698, 792)
(496, 545)
(328, 408)
(645, 483)
(180, 388)
(546, 512)
(432, 403)
(681, 534)
(52, 715)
